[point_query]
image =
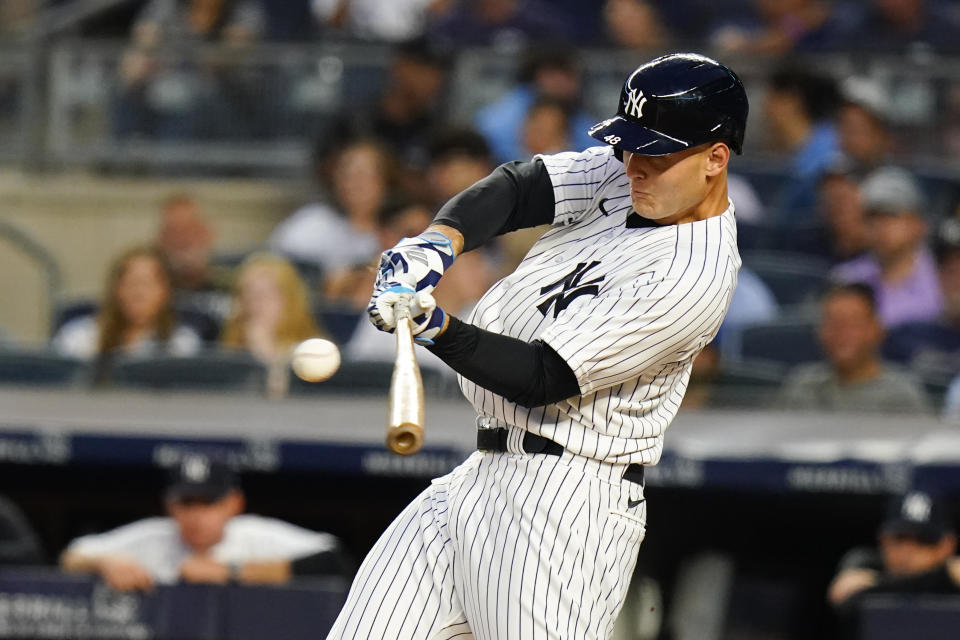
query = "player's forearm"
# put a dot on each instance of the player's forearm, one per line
(530, 374)
(517, 195)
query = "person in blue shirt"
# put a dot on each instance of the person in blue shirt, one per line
(546, 71)
(799, 106)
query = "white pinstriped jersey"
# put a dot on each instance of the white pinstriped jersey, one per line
(627, 308)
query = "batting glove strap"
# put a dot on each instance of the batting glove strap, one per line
(417, 263)
(428, 326)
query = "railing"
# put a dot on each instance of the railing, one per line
(260, 108)
(254, 108)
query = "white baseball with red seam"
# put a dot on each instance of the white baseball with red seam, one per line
(315, 360)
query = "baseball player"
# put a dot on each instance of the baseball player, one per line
(575, 363)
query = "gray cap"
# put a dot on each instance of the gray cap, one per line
(892, 190)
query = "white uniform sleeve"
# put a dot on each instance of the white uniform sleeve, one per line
(129, 540)
(270, 539)
(576, 178)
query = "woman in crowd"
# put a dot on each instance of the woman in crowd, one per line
(271, 310)
(136, 314)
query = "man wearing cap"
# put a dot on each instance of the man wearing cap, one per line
(205, 537)
(899, 267)
(916, 554)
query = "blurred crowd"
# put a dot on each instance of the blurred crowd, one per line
(756, 26)
(848, 300)
(850, 293)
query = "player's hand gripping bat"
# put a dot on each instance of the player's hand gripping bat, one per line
(405, 413)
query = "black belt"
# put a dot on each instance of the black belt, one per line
(496, 440)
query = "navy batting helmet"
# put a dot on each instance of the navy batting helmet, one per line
(676, 102)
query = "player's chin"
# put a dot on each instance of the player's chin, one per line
(646, 208)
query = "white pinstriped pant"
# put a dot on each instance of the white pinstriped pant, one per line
(505, 547)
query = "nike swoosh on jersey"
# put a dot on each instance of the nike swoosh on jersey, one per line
(635, 503)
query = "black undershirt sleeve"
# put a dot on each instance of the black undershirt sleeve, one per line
(530, 374)
(517, 195)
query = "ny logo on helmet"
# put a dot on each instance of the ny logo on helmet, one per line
(633, 105)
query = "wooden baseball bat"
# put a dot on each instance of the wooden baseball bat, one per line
(405, 413)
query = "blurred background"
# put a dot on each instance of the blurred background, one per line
(189, 188)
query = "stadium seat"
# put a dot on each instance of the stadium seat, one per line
(747, 384)
(795, 279)
(39, 368)
(784, 343)
(213, 370)
(339, 322)
(204, 323)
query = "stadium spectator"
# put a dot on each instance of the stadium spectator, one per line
(408, 110)
(781, 26)
(908, 26)
(853, 377)
(383, 20)
(546, 126)
(271, 310)
(634, 25)
(799, 107)
(841, 232)
(508, 25)
(342, 232)
(136, 314)
(204, 538)
(185, 99)
(186, 240)
(459, 156)
(916, 547)
(863, 125)
(933, 348)
(899, 267)
(545, 71)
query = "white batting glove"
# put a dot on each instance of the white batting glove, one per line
(426, 318)
(416, 263)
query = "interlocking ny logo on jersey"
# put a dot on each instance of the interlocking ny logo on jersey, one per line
(633, 106)
(573, 287)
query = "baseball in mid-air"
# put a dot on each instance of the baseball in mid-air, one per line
(315, 360)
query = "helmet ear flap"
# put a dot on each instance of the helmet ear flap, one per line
(618, 153)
